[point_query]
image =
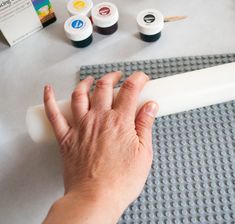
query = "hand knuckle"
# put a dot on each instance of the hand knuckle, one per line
(77, 95)
(129, 84)
(52, 116)
(103, 83)
(142, 124)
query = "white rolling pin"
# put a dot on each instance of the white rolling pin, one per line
(173, 94)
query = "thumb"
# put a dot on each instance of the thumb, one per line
(144, 121)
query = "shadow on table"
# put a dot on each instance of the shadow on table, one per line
(31, 179)
(3, 43)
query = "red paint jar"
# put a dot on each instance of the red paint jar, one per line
(105, 18)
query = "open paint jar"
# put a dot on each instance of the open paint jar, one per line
(150, 24)
(79, 30)
(105, 17)
(80, 7)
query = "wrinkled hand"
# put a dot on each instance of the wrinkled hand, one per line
(107, 149)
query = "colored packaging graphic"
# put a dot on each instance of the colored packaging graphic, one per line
(45, 11)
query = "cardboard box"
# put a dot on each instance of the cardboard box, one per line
(21, 18)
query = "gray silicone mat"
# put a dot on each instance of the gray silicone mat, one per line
(192, 179)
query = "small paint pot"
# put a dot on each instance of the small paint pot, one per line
(79, 30)
(79, 7)
(150, 24)
(105, 17)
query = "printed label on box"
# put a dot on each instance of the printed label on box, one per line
(21, 18)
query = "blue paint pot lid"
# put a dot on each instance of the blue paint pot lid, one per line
(78, 27)
(150, 21)
(104, 14)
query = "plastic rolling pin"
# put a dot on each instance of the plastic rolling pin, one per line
(174, 94)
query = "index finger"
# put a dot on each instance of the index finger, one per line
(56, 118)
(127, 97)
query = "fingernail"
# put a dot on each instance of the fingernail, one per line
(47, 88)
(151, 109)
(120, 72)
(90, 77)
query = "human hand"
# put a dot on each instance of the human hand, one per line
(106, 150)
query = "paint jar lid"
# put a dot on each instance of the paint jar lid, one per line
(104, 14)
(150, 21)
(77, 7)
(78, 28)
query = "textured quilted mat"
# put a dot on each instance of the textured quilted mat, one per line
(192, 179)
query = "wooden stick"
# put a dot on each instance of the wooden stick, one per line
(173, 18)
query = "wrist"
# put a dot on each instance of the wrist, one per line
(103, 202)
(77, 207)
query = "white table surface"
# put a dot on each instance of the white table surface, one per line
(30, 174)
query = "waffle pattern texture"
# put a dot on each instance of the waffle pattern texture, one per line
(192, 179)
